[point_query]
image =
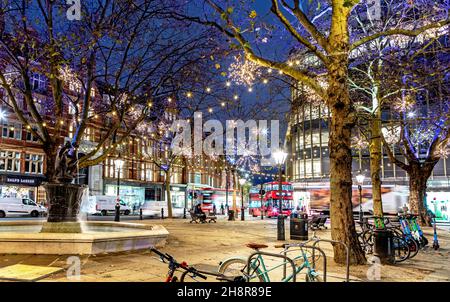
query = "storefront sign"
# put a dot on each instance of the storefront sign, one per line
(21, 180)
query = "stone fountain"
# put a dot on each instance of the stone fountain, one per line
(63, 232)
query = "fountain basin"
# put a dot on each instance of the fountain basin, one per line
(24, 237)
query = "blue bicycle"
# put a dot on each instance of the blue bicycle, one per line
(258, 270)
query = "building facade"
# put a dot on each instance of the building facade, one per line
(308, 163)
(142, 176)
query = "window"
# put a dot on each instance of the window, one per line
(9, 161)
(111, 171)
(89, 134)
(13, 131)
(30, 137)
(284, 187)
(149, 172)
(38, 81)
(70, 131)
(75, 86)
(28, 202)
(34, 163)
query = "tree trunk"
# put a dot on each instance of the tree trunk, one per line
(418, 177)
(375, 161)
(341, 209)
(342, 122)
(51, 153)
(169, 199)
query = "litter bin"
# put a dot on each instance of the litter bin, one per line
(299, 227)
(383, 246)
(230, 215)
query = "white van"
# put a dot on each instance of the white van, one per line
(14, 206)
(153, 208)
(105, 205)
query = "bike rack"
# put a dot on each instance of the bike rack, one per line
(291, 262)
(317, 240)
(303, 245)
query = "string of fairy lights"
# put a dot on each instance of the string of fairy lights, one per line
(241, 73)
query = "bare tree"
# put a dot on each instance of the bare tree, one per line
(331, 45)
(109, 67)
(418, 134)
(369, 85)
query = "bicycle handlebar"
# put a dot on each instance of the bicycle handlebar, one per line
(158, 253)
(178, 265)
(195, 272)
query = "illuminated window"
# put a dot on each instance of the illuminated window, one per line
(13, 131)
(34, 163)
(38, 81)
(9, 161)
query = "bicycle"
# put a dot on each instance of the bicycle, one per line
(400, 246)
(258, 270)
(405, 233)
(174, 266)
(415, 229)
(189, 271)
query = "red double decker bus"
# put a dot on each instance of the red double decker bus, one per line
(254, 201)
(272, 198)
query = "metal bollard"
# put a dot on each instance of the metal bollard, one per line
(162, 213)
(140, 214)
(117, 213)
(184, 213)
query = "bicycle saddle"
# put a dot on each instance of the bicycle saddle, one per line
(256, 246)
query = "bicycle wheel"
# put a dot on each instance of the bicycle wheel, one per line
(423, 241)
(413, 247)
(401, 249)
(366, 241)
(237, 267)
(313, 278)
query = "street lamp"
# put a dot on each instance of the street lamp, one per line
(360, 180)
(280, 157)
(118, 163)
(242, 183)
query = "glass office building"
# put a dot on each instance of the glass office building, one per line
(308, 163)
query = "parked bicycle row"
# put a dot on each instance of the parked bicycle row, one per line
(294, 260)
(401, 235)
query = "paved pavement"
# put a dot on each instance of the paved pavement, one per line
(208, 244)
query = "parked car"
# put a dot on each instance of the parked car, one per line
(105, 205)
(14, 206)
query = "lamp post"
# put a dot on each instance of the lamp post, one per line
(360, 180)
(261, 197)
(280, 157)
(242, 183)
(226, 189)
(118, 163)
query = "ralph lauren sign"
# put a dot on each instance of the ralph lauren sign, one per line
(21, 180)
